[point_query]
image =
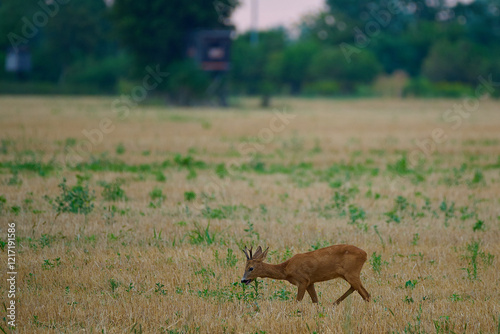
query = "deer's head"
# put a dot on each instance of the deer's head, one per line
(253, 267)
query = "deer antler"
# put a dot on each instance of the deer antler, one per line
(248, 252)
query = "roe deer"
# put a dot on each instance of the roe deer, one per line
(303, 270)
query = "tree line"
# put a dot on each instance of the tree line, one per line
(353, 47)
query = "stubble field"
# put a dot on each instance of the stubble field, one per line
(137, 227)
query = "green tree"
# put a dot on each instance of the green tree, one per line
(187, 83)
(406, 50)
(78, 31)
(297, 58)
(13, 30)
(11, 23)
(460, 61)
(257, 69)
(331, 64)
(480, 20)
(155, 31)
(58, 34)
(360, 11)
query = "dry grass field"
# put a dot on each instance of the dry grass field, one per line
(144, 234)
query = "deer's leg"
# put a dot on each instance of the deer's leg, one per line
(312, 292)
(344, 296)
(364, 293)
(301, 292)
(356, 285)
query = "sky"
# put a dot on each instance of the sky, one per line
(272, 13)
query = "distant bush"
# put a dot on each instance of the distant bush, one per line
(186, 83)
(422, 87)
(419, 87)
(453, 89)
(48, 88)
(322, 87)
(102, 74)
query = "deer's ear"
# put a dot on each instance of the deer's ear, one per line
(264, 255)
(260, 256)
(258, 253)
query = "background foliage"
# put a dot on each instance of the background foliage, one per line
(88, 47)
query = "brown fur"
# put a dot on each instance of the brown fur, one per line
(303, 270)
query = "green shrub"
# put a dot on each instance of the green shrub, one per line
(356, 213)
(160, 177)
(101, 73)
(453, 89)
(157, 194)
(112, 191)
(376, 262)
(422, 87)
(221, 170)
(3, 201)
(157, 198)
(189, 195)
(76, 199)
(120, 148)
(419, 87)
(478, 226)
(200, 235)
(322, 87)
